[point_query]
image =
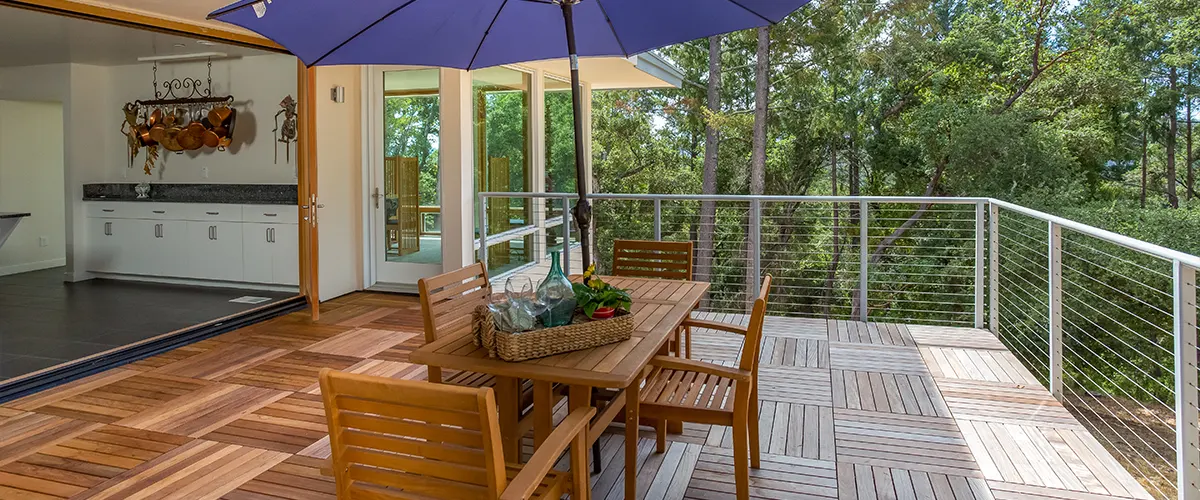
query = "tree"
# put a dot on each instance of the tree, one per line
(708, 220)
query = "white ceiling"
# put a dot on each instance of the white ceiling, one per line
(31, 38)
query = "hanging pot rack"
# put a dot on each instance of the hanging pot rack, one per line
(186, 91)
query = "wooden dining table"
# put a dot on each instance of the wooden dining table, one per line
(659, 308)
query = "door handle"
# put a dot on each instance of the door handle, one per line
(377, 196)
(212, 232)
(108, 229)
(158, 231)
(272, 235)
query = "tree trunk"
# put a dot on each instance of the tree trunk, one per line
(1191, 171)
(831, 276)
(1172, 133)
(758, 146)
(1143, 199)
(708, 209)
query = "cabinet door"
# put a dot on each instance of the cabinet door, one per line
(257, 253)
(134, 239)
(102, 246)
(285, 247)
(168, 254)
(215, 249)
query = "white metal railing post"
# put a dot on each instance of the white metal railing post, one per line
(755, 231)
(483, 230)
(980, 235)
(1054, 278)
(657, 219)
(994, 268)
(864, 252)
(1187, 429)
(566, 230)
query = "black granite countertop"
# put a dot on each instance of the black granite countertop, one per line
(249, 194)
(14, 215)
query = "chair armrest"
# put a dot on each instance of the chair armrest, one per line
(691, 365)
(544, 457)
(725, 327)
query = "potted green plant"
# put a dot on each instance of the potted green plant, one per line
(599, 300)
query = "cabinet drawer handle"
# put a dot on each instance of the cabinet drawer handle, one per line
(109, 210)
(271, 215)
(213, 213)
(159, 211)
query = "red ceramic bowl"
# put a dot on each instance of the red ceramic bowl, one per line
(604, 313)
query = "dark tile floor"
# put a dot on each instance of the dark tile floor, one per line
(45, 322)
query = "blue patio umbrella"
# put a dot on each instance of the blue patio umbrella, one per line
(468, 34)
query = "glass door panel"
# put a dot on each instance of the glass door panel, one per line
(408, 242)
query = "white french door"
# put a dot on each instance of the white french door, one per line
(404, 191)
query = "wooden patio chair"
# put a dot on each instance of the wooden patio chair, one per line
(706, 393)
(657, 259)
(402, 439)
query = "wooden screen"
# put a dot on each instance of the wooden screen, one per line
(402, 180)
(498, 211)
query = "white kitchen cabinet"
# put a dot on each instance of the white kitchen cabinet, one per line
(271, 253)
(215, 249)
(213, 242)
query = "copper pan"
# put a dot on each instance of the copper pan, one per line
(218, 115)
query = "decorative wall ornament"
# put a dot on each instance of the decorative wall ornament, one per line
(286, 131)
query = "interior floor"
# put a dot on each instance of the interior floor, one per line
(46, 322)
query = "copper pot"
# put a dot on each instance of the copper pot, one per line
(170, 140)
(229, 123)
(143, 135)
(155, 118)
(190, 139)
(211, 139)
(218, 115)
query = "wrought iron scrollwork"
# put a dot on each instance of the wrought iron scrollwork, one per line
(183, 91)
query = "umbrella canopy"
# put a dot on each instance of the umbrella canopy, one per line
(468, 34)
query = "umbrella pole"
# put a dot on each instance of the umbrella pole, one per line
(583, 209)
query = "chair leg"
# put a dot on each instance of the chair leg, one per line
(741, 462)
(660, 435)
(679, 342)
(581, 484)
(596, 467)
(755, 459)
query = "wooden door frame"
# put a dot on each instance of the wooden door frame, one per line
(306, 175)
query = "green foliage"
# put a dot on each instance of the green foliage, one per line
(597, 294)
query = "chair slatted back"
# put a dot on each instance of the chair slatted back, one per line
(652, 259)
(449, 299)
(752, 347)
(425, 440)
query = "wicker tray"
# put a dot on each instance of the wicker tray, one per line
(582, 333)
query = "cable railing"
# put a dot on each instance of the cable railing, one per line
(1106, 322)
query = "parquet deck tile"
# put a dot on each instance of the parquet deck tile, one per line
(864, 416)
(876, 358)
(199, 412)
(780, 477)
(888, 392)
(870, 333)
(123, 398)
(1005, 403)
(916, 443)
(289, 425)
(1065, 459)
(360, 342)
(75, 465)
(977, 364)
(787, 351)
(945, 336)
(221, 362)
(866, 482)
(297, 478)
(187, 351)
(291, 372)
(27, 433)
(199, 470)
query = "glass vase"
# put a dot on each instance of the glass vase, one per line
(556, 294)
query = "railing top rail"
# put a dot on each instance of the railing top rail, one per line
(1119, 239)
(738, 197)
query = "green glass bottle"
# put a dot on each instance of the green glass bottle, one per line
(556, 294)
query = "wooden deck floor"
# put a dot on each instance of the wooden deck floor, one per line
(849, 410)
